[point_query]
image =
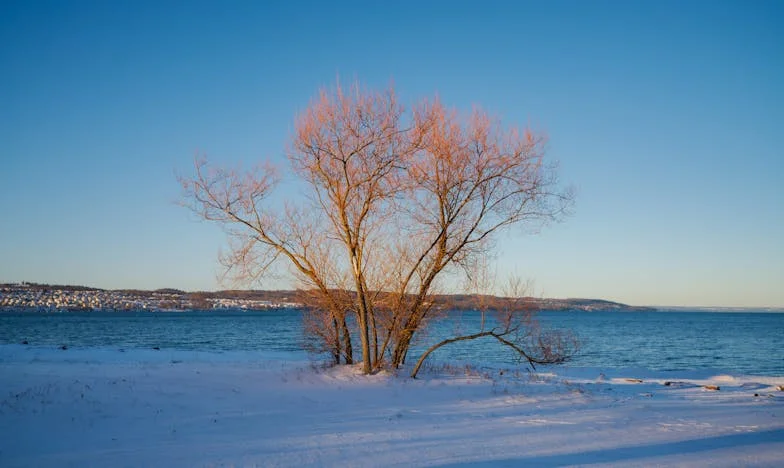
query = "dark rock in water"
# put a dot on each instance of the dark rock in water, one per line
(633, 380)
(64, 347)
(675, 383)
(156, 348)
(25, 342)
(780, 388)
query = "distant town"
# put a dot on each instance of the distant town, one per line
(33, 296)
(56, 297)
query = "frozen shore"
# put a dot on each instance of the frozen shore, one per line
(167, 408)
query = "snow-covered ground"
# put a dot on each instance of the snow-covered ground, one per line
(165, 408)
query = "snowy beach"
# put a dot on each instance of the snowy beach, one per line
(107, 407)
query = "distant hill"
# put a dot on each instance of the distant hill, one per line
(177, 299)
(471, 302)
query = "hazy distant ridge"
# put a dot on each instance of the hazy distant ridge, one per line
(33, 295)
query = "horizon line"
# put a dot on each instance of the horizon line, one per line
(659, 307)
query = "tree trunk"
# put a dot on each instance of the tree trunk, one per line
(349, 356)
(336, 349)
(362, 312)
(365, 341)
(364, 337)
(374, 333)
(401, 349)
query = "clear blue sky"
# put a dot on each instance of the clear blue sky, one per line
(668, 117)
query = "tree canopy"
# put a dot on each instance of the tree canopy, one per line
(397, 198)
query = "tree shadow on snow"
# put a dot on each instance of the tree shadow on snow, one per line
(637, 452)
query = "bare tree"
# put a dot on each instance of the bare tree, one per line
(395, 201)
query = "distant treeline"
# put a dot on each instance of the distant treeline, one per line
(443, 301)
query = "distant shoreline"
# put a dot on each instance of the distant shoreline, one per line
(67, 297)
(82, 298)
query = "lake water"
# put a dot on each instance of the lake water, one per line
(745, 343)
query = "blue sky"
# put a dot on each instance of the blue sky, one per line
(668, 118)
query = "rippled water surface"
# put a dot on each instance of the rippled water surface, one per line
(749, 343)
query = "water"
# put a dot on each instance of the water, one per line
(746, 343)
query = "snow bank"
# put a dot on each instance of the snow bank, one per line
(165, 408)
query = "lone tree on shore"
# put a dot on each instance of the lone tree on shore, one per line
(394, 199)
